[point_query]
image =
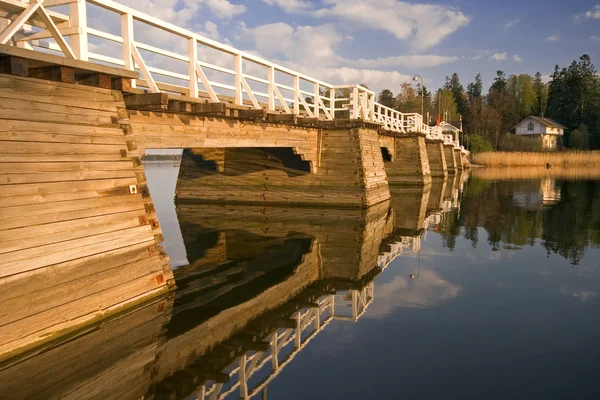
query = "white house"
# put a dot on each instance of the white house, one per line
(547, 130)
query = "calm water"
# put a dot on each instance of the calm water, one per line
(502, 303)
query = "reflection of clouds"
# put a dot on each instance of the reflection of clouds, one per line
(428, 291)
(495, 256)
(583, 295)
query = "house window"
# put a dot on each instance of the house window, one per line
(530, 127)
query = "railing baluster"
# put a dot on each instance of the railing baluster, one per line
(193, 56)
(127, 34)
(78, 19)
(316, 98)
(296, 94)
(271, 92)
(237, 67)
(332, 102)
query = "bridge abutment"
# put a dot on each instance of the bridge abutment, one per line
(451, 164)
(437, 158)
(459, 160)
(409, 165)
(349, 173)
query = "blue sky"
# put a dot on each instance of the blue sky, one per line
(384, 42)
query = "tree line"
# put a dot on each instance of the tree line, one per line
(571, 97)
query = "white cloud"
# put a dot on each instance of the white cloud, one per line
(425, 25)
(223, 8)
(349, 37)
(595, 39)
(481, 55)
(591, 14)
(290, 5)
(582, 295)
(211, 30)
(517, 58)
(295, 44)
(499, 56)
(512, 23)
(553, 38)
(411, 61)
(546, 78)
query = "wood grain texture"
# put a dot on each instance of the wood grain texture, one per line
(75, 244)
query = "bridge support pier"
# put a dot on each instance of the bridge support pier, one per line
(459, 160)
(410, 209)
(437, 159)
(410, 164)
(349, 173)
(450, 159)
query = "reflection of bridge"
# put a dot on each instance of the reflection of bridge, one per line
(259, 287)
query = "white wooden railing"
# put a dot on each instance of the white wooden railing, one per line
(172, 59)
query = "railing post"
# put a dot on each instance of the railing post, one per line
(316, 98)
(78, 19)
(296, 95)
(332, 102)
(354, 103)
(237, 67)
(193, 56)
(127, 34)
(271, 99)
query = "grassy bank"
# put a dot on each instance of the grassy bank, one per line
(522, 159)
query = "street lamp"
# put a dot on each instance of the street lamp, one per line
(416, 79)
(413, 276)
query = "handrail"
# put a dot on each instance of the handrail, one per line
(306, 95)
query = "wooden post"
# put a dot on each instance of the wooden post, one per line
(297, 95)
(317, 97)
(127, 34)
(79, 41)
(354, 103)
(274, 352)
(193, 56)
(237, 67)
(332, 102)
(271, 99)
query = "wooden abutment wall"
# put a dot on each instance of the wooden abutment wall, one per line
(78, 231)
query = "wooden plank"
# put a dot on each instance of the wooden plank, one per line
(61, 293)
(252, 114)
(78, 65)
(103, 81)
(42, 112)
(45, 88)
(275, 118)
(13, 147)
(39, 235)
(46, 177)
(66, 99)
(25, 260)
(29, 168)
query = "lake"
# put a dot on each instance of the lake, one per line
(476, 287)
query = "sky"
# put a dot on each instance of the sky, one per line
(383, 43)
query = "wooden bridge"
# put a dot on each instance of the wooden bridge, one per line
(76, 116)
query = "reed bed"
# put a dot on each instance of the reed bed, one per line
(523, 159)
(537, 172)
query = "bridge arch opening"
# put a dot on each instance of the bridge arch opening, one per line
(385, 153)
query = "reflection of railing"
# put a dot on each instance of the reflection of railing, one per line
(284, 344)
(183, 66)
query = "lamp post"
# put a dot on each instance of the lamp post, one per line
(413, 276)
(416, 79)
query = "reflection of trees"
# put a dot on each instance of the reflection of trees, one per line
(566, 228)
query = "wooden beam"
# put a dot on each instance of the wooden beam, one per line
(64, 30)
(307, 121)
(16, 25)
(122, 84)
(54, 73)
(252, 114)
(278, 117)
(147, 101)
(98, 80)
(209, 108)
(51, 27)
(180, 107)
(14, 66)
(80, 66)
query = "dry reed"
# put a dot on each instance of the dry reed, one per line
(536, 172)
(522, 159)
